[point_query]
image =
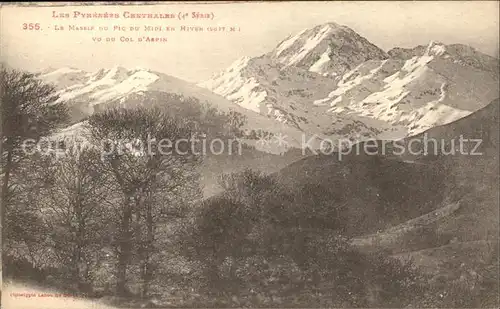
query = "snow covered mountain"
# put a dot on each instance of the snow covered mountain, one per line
(330, 81)
(284, 83)
(327, 82)
(435, 88)
(88, 92)
(328, 49)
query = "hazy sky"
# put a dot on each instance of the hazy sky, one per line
(195, 56)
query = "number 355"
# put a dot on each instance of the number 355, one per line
(31, 26)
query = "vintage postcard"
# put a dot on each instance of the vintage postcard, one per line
(250, 154)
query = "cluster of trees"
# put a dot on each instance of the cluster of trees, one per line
(262, 243)
(257, 244)
(97, 216)
(26, 113)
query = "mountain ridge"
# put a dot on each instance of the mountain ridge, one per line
(385, 95)
(362, 93)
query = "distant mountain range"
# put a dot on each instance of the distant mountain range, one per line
(326, 82)
(330, 81)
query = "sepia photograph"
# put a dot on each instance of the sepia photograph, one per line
(253, 154)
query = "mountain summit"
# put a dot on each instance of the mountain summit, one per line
(328, 49)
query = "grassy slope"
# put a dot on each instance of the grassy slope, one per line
(388, 196)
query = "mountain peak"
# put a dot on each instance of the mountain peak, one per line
(463, 55)
(435, 49)
(327, 49)
(458, 53)
(312, 37)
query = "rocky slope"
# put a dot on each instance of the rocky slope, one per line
(435, 88)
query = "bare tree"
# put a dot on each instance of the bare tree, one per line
(29, 110)
(145, 174)
(74, 208)
(166, 202)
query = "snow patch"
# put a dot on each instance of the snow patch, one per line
(235, 87)
(246, 97)
(137, 82)
(317, 67)
(61, 71)
(437, 114)
(227, 81)
(288, 42)
(435, 48)
(309, 45)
